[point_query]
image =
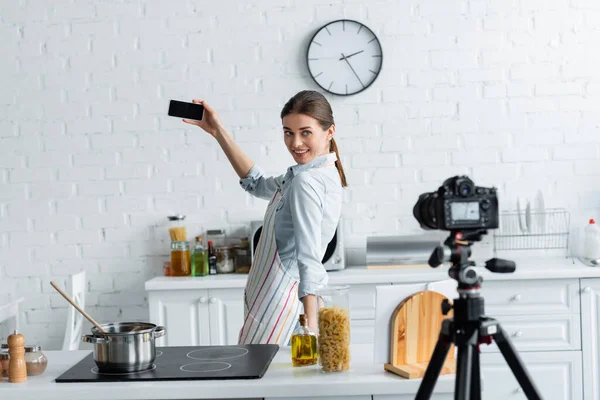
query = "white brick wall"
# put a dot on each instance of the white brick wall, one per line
(90, 165)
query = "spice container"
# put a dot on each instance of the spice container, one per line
(167, 268)
(4, 362)
(217, 236)
(225, 260)
(333, 316)
(35, 360)
(242, 257)
(304, 344)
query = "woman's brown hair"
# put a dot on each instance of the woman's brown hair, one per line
(314, 104)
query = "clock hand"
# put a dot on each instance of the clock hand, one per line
(353, 54)
(350, 65)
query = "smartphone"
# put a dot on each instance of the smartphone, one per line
(186, 110)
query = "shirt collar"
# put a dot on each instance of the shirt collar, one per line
(316, 163)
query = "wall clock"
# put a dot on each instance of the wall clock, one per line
(344, 57)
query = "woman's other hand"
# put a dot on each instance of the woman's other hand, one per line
(210, 120)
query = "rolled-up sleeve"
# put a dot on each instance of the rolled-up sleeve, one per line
(259, 185)
(306, 199)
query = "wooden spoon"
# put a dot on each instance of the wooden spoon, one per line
(86, 315)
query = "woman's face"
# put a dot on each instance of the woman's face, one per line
(304, 137)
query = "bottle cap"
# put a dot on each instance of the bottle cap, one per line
(302, 319)
(592, 221)
(199, 238)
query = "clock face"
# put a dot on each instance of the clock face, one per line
(344, 57)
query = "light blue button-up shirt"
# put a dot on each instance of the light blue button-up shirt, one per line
(306, 218)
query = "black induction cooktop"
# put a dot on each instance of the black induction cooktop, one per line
(186, 363)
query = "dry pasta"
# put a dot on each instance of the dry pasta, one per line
(334, 338)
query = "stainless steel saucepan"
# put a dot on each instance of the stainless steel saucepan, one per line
(124, 346)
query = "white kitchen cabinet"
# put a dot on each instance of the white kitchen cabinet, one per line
(590, 328)
(198, 317)
(531, 297)
(557, 376)
(226, 315)
(540, 332)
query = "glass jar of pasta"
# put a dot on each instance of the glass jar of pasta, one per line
(333, 317)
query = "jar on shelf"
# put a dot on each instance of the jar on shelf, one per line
(4, 362)
(225, 260)
(180, 259)
(217, 236)
(177, 231)
(35, 360)
(180, 248)
(243, 260)
(333, 321)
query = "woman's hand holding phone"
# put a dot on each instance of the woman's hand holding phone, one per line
(210, 121)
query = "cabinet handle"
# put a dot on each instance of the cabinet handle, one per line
(213, 300)
(518, 334)
(587, 289)
(518, 390)
(203, 299)
(516, 297)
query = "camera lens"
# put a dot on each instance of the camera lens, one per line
(424, 211)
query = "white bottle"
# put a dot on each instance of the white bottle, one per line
(591, 244)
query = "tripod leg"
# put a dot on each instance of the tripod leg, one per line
(434, 367)
(462, 385)
(475, 376)
(516, 366)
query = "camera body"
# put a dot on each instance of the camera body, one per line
(458, 205)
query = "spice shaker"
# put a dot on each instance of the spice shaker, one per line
(17, 372)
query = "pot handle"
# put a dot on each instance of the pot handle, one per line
(159, 331)
(94, 339)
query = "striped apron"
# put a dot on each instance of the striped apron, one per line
(271, 304)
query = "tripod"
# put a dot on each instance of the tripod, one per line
(469, 327)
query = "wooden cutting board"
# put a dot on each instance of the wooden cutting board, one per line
(415, 328)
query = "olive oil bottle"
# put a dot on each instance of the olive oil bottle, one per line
(304, 345)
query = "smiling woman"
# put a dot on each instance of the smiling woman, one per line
(301, 218)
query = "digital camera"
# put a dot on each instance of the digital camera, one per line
(458, 205)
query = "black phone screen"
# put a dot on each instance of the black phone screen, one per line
(186, 110)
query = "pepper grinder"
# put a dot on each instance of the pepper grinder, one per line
(17, 370)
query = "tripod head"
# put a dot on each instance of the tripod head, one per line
(457, 250)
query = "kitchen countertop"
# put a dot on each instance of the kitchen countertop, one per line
(280, 381)
(527, 268)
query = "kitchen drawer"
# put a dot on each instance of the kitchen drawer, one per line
(557, 376)
(362, 301)
(531, 297)
(540, 332)
(362, 331)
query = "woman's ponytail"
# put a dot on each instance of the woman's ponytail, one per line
(338, 162)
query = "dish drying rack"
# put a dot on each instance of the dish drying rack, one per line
(548, 229)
